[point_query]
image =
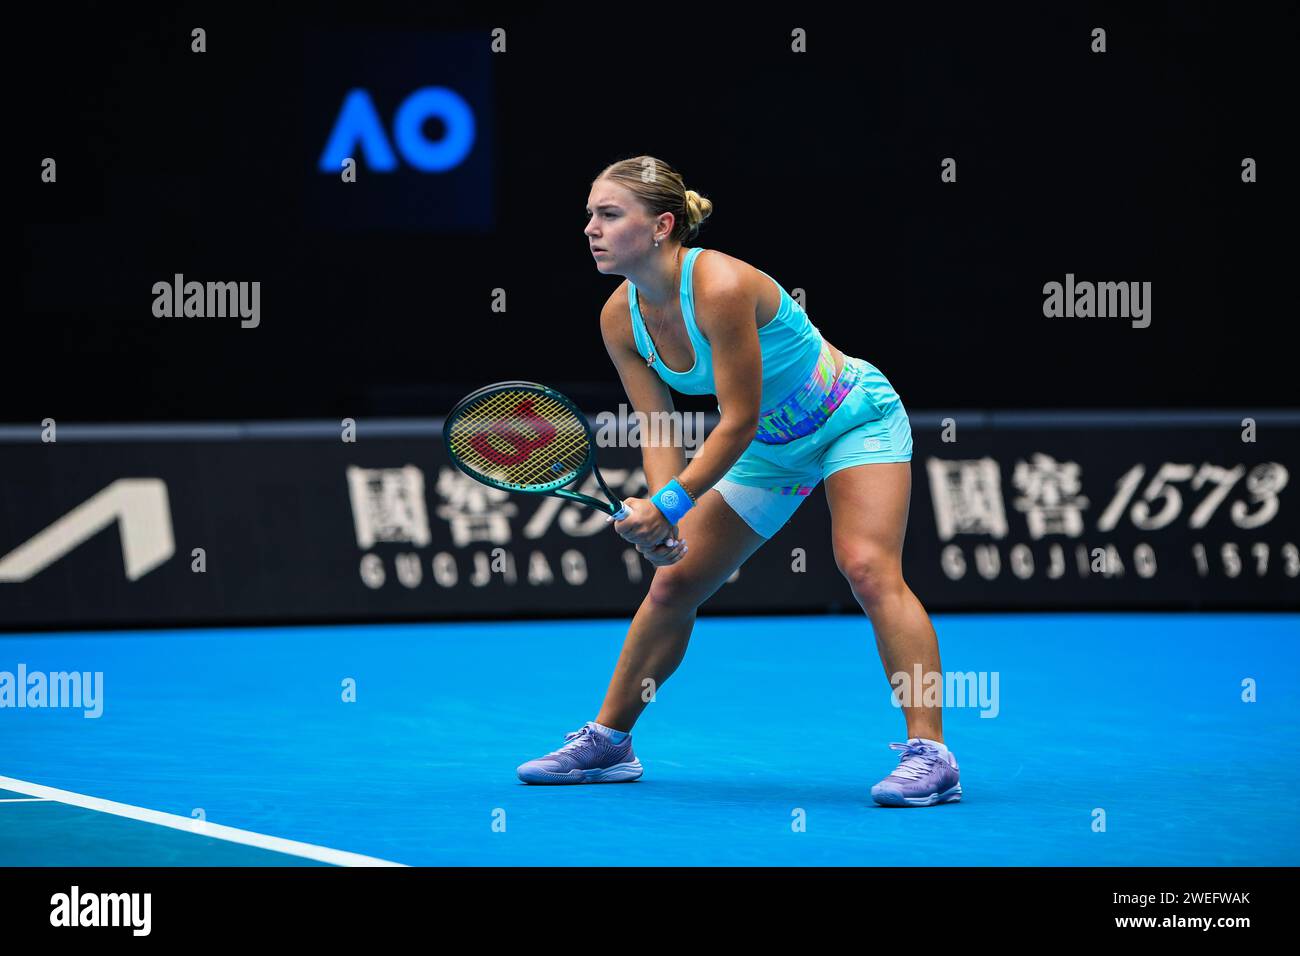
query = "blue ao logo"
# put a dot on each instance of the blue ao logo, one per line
(669, 498)
(359, 124)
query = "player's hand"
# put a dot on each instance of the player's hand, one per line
(646, 525)
(661, 555)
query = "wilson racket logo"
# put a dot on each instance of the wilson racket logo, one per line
(523, 433)
(525, 437)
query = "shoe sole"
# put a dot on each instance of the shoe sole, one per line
(618, 773)
(892, 798)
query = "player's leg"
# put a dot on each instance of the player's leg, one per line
(720, 541)
(868, 475)
(869, 506)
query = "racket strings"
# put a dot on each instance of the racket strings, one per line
(499, 420)
(485, 419)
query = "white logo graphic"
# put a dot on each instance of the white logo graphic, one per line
(474, 511)
(142, 510)
(669, 498)
(1050, 496)
(967, 497)
(388, 505)
(871, 444)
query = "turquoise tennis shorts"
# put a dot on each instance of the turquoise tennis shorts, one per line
(768, 482)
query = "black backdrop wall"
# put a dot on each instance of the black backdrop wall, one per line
(824, 167)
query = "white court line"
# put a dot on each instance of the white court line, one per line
(308, 851)
(23, 800)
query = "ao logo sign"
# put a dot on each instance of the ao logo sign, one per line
(359, 123)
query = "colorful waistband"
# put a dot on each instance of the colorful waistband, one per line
(808, 407)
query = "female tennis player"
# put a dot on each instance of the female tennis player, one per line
(795, 410)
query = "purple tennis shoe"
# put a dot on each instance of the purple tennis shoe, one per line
(588, 757)
(926, 775)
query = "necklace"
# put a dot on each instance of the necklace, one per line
(676, 273)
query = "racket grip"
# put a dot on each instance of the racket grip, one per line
(622, 513)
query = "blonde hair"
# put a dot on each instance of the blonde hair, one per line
(660, 189)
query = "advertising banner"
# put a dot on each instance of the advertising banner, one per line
(286, 522)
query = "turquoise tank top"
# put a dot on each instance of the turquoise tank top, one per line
(790, 344)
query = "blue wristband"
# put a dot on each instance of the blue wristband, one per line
(673, 501)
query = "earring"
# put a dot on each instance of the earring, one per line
(656, 243)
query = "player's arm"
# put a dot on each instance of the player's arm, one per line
(725, 311)
(646, 391)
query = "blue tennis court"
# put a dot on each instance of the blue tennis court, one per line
(238, 747)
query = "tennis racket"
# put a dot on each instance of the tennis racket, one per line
(527, 438)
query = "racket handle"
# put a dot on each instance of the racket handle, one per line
(624, 512)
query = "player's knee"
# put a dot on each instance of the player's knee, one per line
(672, 588)
(874, 573)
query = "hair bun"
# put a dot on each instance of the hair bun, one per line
(697, 207)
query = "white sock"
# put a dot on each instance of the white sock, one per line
(615, 736)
